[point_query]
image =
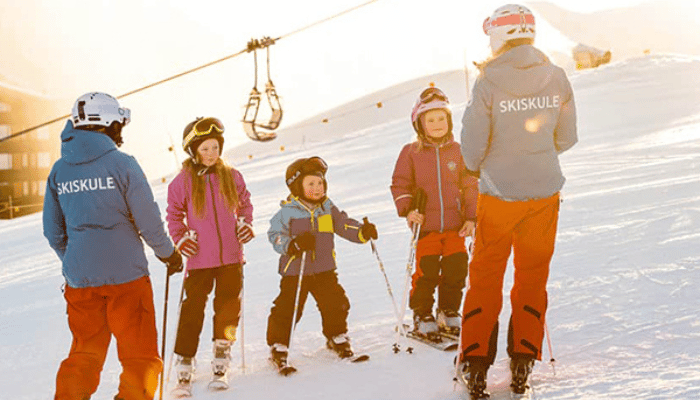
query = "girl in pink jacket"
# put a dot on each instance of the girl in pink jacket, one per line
(433, 164)
(209, 216)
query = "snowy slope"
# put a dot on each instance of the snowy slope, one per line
(624, 291)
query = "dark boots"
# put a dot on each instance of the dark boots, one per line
(520, 369)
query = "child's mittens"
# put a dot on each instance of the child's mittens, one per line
(244, 231)
(187, 245)
(368, 230)
(304, 242)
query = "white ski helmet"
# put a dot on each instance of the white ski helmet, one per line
(99, 109)
(508, 22)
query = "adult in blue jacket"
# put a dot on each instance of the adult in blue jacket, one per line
(98, 205)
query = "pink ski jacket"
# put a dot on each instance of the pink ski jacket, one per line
(216, 231)
(440, 171)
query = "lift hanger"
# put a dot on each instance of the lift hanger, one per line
(250, 124)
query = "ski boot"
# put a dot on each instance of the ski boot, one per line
(520, 369)
(220, 364)
(278, 354)
(184, 369)
(449, 321)
(425, 325)
(473, 376)
(341, 345)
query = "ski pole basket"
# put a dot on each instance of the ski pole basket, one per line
(262, 132)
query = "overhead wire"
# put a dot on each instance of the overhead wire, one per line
(209, 64)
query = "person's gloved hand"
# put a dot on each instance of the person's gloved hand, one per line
(173, 262)
(304, 242)
(368, 230)
(244, 231)
(187, 245)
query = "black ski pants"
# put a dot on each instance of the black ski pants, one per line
(331, 300)
(228, 280)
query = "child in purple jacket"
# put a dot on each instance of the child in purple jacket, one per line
(209, 216)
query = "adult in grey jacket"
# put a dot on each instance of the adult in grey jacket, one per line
(520, 118)
(98, 205)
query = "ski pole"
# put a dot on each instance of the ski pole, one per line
(420, 200)
(388, 285)
(179, 310)
(470, 250)
(165, 324)
(241, 299)
(409, 269)
(241, 321)
(296, 301)
(549, 346)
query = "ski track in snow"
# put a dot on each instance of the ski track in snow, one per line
(624, 302)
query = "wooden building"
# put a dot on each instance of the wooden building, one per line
(26, 160)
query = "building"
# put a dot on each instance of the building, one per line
(589, 56)
(25, 160)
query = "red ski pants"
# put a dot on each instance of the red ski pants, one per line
(529, 228)
(94, 315)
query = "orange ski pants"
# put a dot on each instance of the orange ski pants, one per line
(94, 315)
(529, 228)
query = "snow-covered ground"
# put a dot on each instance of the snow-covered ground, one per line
(624, 292)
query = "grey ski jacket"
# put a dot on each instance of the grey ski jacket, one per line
(520, 118)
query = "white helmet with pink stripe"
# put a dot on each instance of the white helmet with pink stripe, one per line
(508, 22)
(431, 98)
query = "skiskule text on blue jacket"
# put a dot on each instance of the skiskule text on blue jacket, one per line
(97, 207)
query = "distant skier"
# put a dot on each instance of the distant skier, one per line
(209, 217)
(520, 118)
(433, 163)
(98, 206)
(306, 224)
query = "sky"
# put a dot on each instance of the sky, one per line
(65, 49)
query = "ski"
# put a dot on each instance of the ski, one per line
(454, 335)
(348, 355)
(439, 342)
(528, 395)
(356, 358)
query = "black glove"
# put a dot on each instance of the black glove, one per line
(368, 230)
(173, 262)
(418, 201)
(304, 242)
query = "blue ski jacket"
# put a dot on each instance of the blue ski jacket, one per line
(97, 207)
(324, 221)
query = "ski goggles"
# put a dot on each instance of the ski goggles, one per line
(203, 127)
(311, 165)
(431, 94)
(513, 19)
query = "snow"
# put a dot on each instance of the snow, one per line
(624, 291)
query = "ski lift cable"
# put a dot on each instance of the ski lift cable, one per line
(209, 64)
(379, 104)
